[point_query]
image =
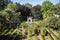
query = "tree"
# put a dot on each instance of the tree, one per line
(28, 5)
(25, 12)
(4, 17)
(11, 6)
(53, 22)
(47, 9)
(57, 9)
(3, 3)
(36, 13)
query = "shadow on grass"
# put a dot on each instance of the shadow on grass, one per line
(13, 37)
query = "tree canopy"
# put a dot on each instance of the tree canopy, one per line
(47, 8)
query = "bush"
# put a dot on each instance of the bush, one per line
(53, 22)
(23, 24)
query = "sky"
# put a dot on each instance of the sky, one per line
(34, 2)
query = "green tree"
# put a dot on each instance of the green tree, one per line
(36, 12)
(3, 3)
(53, 22)
(28, 5)
(47, 8)
(11, 6)
(57, 9)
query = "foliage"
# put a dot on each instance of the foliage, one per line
(35, 37)
(11, 6)
(3, 3)
(28, 5)
(13, 19)
(53, 22)
(47, 9)
(23, 24)
(36, 12)
(57, 8)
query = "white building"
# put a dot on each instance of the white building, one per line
(29, 19)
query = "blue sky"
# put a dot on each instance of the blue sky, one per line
(34, 2)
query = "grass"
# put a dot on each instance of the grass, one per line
(52, 34)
